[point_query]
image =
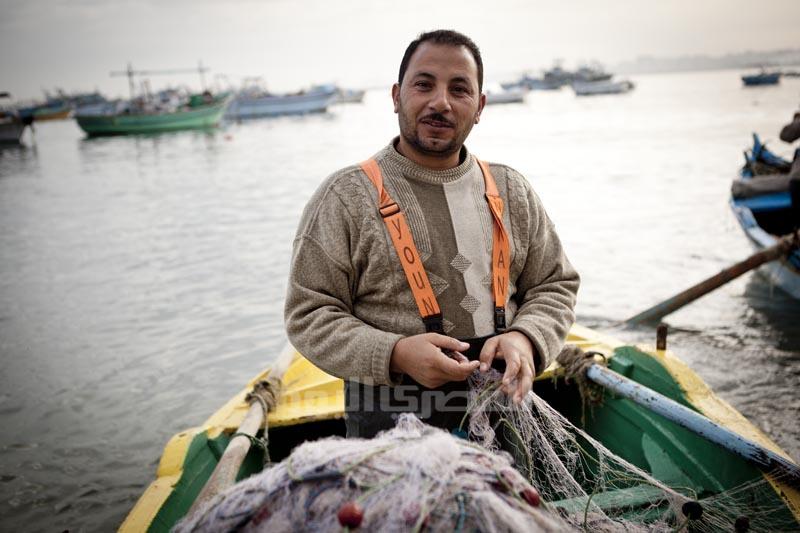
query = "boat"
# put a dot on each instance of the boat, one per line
(590, 88)
(526, 82)
(145, 115)
(496, 94)
(349, 96)
(52, 111)
(12, 126)
(89, 104)
(255, 102)
(762, 78)
(594, 72)
(557, 76)
(54, 108)
(311, 406)
(763, 204)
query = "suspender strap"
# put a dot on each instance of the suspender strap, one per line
(407, 251)
(412, 264)
(500, 249)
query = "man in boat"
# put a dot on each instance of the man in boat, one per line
(453, 266)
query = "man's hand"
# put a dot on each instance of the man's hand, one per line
(422, 358)
(517, 350)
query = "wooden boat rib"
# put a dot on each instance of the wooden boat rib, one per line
(312, 406)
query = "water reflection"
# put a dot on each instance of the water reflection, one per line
(774, 313)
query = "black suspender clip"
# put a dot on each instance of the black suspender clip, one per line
(433, 323)
(499, 319)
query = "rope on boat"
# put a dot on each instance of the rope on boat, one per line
(266, 392)
(262, 399)
(575, 363)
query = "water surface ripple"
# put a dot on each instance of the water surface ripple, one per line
(142, 278)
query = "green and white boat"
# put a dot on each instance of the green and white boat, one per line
(311, 405)
(199, 111)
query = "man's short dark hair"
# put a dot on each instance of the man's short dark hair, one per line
(448, 37)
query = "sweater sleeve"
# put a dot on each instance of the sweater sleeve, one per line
(318, 312)
(546, 288)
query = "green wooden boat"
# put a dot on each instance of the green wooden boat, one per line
(311, 406)
(197, 114)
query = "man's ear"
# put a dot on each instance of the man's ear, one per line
(396, 97)
(481, 104)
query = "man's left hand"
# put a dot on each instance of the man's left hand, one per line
(517, 351)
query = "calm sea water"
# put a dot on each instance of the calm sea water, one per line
(142, 278)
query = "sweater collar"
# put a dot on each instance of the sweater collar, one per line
(414, 171)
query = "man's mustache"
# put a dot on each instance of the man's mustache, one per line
(437, 117)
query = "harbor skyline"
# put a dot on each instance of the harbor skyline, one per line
(74, 46)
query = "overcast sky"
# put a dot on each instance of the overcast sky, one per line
(294, 43)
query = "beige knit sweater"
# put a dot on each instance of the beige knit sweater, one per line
(348, 300)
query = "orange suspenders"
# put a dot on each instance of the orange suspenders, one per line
(412, 264)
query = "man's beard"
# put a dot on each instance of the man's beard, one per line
(411, 136)
(445, 150)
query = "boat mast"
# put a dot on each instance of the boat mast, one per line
(130, 73)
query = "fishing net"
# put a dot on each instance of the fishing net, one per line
(525, 467)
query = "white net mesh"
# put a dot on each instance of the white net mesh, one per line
(416, 477)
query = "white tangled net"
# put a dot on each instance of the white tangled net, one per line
(525, 468)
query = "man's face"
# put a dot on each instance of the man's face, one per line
(439, 100)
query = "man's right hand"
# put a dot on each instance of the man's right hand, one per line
(422, 358)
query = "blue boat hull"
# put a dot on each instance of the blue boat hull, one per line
(762, 79)
(784, 273)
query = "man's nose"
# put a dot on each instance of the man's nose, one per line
(440, 100)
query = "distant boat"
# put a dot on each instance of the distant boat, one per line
(558, 77)
(592, 73)
(495, 94)
(89, 103)
(763, 204)
(199, 111)
(591, 88)
(528, 83)
(762, 78)
(349, 96)
(254, 102)
(53, 109)
(12, 126)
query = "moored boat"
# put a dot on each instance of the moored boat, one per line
(495, 94)
(766, 207)
(590, 88)
(349, 96)
(12, 126)
(59, 111)
(198, 112)
(255, 102)
(311, 406)
(762, 78)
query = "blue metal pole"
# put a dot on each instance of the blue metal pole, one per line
(699, 424)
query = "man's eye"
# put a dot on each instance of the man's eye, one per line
(423, 84)
(460, 90)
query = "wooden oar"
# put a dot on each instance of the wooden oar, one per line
(783, 247)
(754, 453)
(227, 468)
